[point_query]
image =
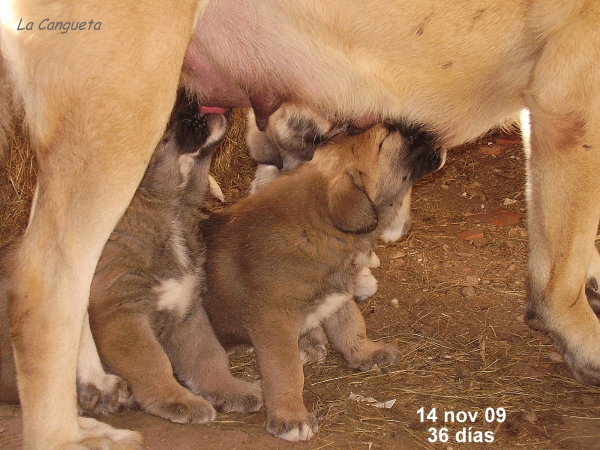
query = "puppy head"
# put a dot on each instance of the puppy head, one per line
(370, 171)
(186, 147)
(195, 135)
(291, 137)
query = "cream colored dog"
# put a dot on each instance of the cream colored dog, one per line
(283, 261)
(97, 100)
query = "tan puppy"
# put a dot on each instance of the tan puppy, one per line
(96, 103)
(291, 137)
(283, 261)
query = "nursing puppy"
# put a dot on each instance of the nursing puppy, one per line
(290, 138)
(282, 262)
(145, 305)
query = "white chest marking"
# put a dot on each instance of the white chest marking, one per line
(326, 308)
(176, 295)
(178, 246)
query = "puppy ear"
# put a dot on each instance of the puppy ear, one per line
(350, 208)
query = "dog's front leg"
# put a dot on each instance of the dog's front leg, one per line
(276, 342)
(47, 306)
(128, 346)
(96, 103)
(201, 363)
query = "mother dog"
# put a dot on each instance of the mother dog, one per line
(96, 104)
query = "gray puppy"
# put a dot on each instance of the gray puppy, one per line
(145, 310)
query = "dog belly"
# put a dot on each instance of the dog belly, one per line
(440, 63)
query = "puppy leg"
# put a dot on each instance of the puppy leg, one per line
(127, 345)
(97, 391)
(202, 365)
(313, 346)
(265, 173)
(397, 220)
(365, 284)
(347, 333)
(276, 344)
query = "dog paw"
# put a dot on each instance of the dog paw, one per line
(192, 409)
(374, 261)
(313, 346)
(110, 397)
(379, 353)
(100, 436)
(241, 396)
(293, 429)
(584, 368)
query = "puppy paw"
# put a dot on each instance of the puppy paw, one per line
(239, 396)
(313, 346)
(380, 353)
(112, 396)
(293, 429)
(192, 409)
(374, 261)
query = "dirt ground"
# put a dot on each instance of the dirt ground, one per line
(452, 294)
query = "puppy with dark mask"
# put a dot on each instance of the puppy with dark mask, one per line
(145, 310)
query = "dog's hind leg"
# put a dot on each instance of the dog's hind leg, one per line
(96, 103)
(202, 365)
(564, 193)
(564, 204)
(347, 333)
(592, 289)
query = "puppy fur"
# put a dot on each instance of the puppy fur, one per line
(145, 305)
(291, 137)
(283, 261)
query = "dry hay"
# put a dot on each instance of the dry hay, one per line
(232, 166)
(17, 181)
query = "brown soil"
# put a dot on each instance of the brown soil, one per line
(455, 307)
